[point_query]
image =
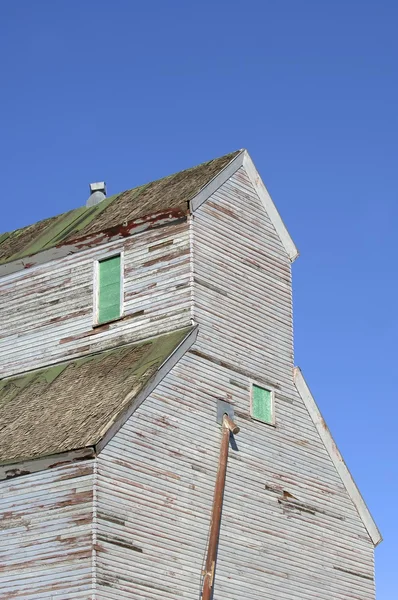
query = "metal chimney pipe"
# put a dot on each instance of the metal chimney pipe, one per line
(97, 193)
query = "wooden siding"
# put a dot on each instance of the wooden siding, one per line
(289, 528)
(243, 300)
(134, 523)
(154, 491)
(46, 534)
(47, 311)
(289, 525)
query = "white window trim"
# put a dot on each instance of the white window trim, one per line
(96, 286)
(270, 389)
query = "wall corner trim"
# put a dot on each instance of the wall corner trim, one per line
(336, 457)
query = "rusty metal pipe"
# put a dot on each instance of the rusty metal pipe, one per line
(230, 424)
(227, 426)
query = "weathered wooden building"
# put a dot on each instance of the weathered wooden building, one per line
(128, 328)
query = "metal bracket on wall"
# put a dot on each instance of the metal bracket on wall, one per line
(224, 408)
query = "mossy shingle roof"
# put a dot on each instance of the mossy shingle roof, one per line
(171, 193)
(71, 405)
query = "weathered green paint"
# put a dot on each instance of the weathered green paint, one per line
(4, 236)
(13, 386)
(67, 224)
(109, 289)
(9, 388)
(171, 193)
(262, 404)
(53, 372)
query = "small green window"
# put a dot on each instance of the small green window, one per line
(109, 289)
(262, 404)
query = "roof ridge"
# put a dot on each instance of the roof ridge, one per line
(172, 191)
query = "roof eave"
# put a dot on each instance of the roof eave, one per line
(336, 457)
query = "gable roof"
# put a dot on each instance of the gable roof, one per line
(336, 457)
(81, 403)
(152, 205)
(243, 159)
(169, 194)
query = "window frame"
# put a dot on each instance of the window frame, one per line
(96, 289)
(270, 389)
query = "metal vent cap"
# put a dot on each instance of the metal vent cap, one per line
(97, 193)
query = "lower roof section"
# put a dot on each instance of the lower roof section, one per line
(81, 403)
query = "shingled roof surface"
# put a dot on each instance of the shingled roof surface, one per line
(71, 405)
(170, 194)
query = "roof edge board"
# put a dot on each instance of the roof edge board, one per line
(113, 426)
(336, 457)
(42, 463)
(243, 159)
(270, 207)
(217, 181)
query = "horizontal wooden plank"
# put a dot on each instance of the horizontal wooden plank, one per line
(48, 316)
(46, 533)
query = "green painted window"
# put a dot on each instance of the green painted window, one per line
(109, 289)
(262, 405)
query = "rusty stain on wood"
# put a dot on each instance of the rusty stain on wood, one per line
(353, 573)
(117, 542)
(160, 245)
(166, 257)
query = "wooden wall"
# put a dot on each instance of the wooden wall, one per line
(289, 528)
(243, 292)
(46, 312)
(46, 534)
(289, 531)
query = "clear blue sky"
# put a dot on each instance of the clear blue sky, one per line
(129, 91)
